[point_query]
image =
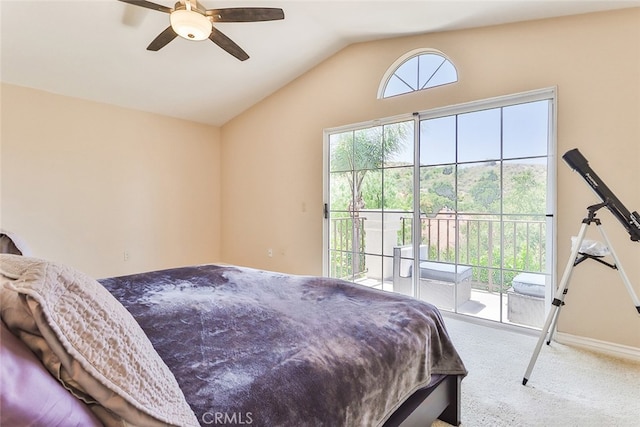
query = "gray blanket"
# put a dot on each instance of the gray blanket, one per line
(268, 349)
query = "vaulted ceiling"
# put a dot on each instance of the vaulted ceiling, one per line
(96, 49)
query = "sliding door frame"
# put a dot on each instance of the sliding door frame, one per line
(549, 94)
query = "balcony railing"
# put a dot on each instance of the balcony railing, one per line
(347, 245)
(497, 250)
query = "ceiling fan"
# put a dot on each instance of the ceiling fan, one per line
(193, 22)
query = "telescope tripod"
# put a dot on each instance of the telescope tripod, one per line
(558, 300)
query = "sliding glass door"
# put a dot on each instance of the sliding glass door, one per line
(370, 185)
(452, 206)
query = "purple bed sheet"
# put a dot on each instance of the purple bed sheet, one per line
(255, 347)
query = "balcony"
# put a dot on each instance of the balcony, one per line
(499, 273)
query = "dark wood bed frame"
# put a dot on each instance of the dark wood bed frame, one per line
(439, 401)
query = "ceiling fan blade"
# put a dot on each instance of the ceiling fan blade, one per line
(227, 44)
(162, 40)
(149, 5)
(245, 14)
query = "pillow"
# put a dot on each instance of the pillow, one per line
(30, 395)
(90, 343)
(7, 246)
(10, 243)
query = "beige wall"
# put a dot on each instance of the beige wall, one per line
(272, 154)
(84, 182)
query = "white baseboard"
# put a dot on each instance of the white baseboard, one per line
(611, 349)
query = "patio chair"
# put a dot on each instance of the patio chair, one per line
(445, 285)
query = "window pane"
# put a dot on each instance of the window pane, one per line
(446, 74)
(524, 244)
(479, 135)
(438, 141)
(479, 188)
(341, 265)
(393, 230)
(525, 128)
(408, 72)
(340, 190)
(367, 148)
(370, 196)
(346, 241)
(439, 237)
(437, 189)
(405, 236)
(428, 66)
(341, 232)
(341, 151)
(395, 86)
(525, 187)
(398, 189)
(479, 239)
(398, 144)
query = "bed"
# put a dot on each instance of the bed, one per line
(228, 345)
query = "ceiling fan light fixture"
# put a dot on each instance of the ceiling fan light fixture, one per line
(190, 25)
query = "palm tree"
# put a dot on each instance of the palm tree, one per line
(360, 152)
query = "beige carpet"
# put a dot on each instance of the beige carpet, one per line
(568, 386)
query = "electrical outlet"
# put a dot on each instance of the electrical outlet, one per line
(125, 255)
(270, 253)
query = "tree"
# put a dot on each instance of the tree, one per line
(366, 150)
(486, 192)
(437, 189)
(526, 190)
(358, 153)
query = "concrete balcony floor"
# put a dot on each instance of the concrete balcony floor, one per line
(482, 304)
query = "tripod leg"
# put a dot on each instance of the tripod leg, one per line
(557, 301)
(623, 275)
(560, 303)
(543, 335)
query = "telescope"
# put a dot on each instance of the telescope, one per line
(629, 220)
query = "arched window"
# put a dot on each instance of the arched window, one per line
(417, 70)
